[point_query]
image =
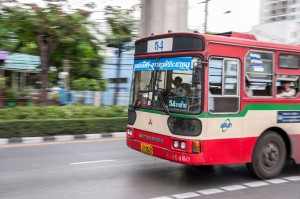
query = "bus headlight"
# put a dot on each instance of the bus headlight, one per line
(176, 144)
(183, 145)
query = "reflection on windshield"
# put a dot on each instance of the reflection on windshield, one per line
(168, 84)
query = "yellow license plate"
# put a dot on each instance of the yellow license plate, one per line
(147, 148)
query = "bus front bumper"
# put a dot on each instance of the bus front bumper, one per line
(165, 153)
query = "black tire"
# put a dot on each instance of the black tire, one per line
(269, 156)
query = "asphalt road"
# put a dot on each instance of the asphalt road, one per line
(108, 169)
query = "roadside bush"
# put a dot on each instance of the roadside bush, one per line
(22, 121)
(31, 128)
(61, 112)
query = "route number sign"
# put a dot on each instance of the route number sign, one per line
(160, 45)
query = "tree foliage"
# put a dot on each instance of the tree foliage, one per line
(53, 34)
(123, 26)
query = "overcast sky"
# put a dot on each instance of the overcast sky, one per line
(244, 14)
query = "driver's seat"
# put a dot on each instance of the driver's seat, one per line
(186, 87)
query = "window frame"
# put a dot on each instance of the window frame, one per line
(297, 79)
(238, 95)
(283, 54)
(200, 62)
(246, 76)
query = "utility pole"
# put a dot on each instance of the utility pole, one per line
(206, 14)
(118, 74)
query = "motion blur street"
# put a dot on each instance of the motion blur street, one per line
(107, 168)
(97, 96)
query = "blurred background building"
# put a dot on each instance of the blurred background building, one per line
(279, 22)
(109, 69)
(274, 10)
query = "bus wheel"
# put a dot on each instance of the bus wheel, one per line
(269, 156)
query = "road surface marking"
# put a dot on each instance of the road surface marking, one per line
(210, 191)
(185, 195)
(293, 178)
(233, 187)
(256, 184)
(91, 162)
(276, 181)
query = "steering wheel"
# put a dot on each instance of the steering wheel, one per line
(164, 92)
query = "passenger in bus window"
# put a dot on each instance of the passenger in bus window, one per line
(178, 91)
(248, 90)
(286, 91)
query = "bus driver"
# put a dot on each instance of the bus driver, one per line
(178, 91)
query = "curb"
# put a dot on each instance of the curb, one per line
(60, 138)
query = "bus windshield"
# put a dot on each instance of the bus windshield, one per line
(170, 84)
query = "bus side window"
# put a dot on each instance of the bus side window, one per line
(224, 81)
(259, 74)
(257, 89)
(287, 86)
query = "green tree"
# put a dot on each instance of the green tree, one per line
(123, 30)
(53, 34)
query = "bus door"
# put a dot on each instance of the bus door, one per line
(223, 104)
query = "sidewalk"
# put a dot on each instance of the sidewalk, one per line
(60, 138)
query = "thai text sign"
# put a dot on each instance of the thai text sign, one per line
(178, 103)
(288, 117)
(177, 63)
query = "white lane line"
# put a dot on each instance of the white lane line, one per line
(90, 162)
(256, 184)
(276, 181)
(233, 187)
(293, 178)
(210, 191)
(185, 195)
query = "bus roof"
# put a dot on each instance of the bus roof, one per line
(230, 38)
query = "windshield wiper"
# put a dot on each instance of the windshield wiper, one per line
(161, 99)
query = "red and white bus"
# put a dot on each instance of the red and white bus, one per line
(239, 101)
